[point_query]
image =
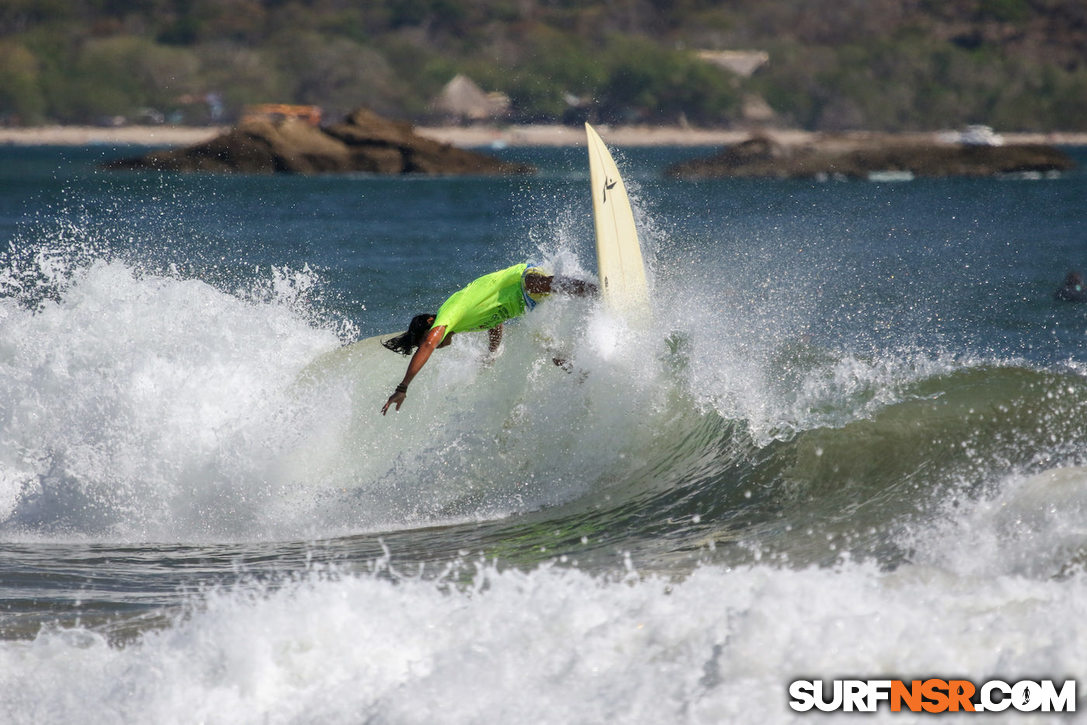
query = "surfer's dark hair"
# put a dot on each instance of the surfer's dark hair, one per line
(408, 341)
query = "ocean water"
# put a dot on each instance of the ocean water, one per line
(851, 445)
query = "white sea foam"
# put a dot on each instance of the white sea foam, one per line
(140, 405)
(1027, 525)
(549, 646)
(148, 407)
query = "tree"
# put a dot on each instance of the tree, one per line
(21, 97)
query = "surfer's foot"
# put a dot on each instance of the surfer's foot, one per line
(563, 363)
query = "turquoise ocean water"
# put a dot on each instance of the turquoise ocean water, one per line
(852, 444)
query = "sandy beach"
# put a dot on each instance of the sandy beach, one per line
(481, 136)
(464, 136)
(558, 135)
(117, 135)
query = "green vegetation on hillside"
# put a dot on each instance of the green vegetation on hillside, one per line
(834, 64)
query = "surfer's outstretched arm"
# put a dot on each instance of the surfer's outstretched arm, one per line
(571, 286)
(418, 360)
(538, 284)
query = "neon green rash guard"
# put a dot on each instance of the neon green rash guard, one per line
(488, 301)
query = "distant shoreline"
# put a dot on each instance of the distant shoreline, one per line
(477, 136)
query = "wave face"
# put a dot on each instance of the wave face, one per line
(147, 407)
(850, 443)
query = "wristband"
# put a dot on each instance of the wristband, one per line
(401, 388)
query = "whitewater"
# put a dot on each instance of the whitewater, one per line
(851, 445)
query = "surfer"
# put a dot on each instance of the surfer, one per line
(1072, 290)
(484, 304)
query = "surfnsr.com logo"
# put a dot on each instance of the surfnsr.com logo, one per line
(932, 695)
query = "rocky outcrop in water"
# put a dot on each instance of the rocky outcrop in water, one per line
(363, 142)
(869, 155)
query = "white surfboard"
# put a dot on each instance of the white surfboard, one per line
(367, 354)
(618, 253)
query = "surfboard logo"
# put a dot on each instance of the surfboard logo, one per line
(608, 184)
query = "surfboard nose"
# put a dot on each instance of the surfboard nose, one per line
(618, 251)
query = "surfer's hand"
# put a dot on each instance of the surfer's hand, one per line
(397, 398)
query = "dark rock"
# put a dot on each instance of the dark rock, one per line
(859, 157)
(363, 142)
